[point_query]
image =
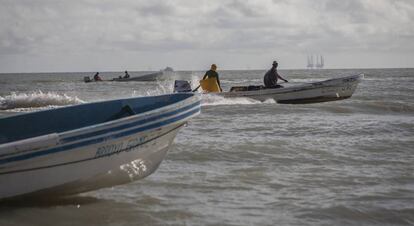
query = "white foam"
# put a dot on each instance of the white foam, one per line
(213, 100)
(166, 87)
(36, 99)
(195, 79)
(162, 87)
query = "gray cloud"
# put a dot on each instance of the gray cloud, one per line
(48, 28)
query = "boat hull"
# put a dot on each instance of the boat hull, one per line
(328, 90)
(156, 76)
(96, 157)
(143, 78)
(67, 179)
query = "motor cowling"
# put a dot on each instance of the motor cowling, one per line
(181, 86)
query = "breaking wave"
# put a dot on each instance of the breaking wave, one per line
(213, 100)
(37, 99)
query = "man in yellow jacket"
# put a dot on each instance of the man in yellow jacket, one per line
(212, 74)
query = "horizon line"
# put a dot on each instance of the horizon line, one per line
(188, 70)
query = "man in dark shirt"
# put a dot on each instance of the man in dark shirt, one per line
(212, 73)
(271, 76)
(96, 77)
(126, 74)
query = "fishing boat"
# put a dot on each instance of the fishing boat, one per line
(160, 75)
(156, 76)
(84, 147)
(313, 92)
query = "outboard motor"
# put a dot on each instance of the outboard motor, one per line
(181, 86)
(87, 79)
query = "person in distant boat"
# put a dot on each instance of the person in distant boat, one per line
(212, 73)
(126, 74)
(96, 77)
(271, 76)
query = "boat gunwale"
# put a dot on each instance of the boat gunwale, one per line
(64, 133)
(126, 120)
(109, 131)
(191, 100)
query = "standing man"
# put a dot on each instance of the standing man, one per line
(271, 76)
(212, 73)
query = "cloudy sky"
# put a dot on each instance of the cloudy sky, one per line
(114, 35)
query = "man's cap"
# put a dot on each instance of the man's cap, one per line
(274, 62)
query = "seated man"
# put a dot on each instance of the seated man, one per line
(126, 74)
(271, 76)
(96, 77)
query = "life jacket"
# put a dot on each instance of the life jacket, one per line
(210, 85)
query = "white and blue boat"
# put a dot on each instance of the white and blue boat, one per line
(314, 92)
(84, 147)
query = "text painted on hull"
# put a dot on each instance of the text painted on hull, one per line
(118, 147)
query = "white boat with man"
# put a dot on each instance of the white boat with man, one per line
(303, 93)
(160, 75)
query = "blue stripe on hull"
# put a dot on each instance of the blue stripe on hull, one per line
(33, 124)
(96, 133)
(98, 140)
(90, 159)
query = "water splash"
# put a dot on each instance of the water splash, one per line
(195, 80)
(160, 88)
(214, 100)
(135, 169)
(36, 99)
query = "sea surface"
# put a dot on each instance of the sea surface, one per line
(243, 162)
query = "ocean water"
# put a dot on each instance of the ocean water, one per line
(243, 162)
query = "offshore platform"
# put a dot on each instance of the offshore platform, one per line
(315, 62)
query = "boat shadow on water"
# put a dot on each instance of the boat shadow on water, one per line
(43, 202)
(76, 210)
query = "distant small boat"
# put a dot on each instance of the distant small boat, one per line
(156, 76)
(164, 74)
(314, 92)
(84, 147)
